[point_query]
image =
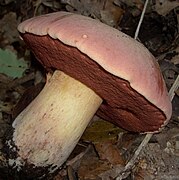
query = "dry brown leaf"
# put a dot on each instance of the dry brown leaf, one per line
(175, 59)
(111, 14)
(141, 174)
(163, 7)
(91, 167)
(108, 151)
(84, 7)
(177, 92)
(9, 30)
(106, 11)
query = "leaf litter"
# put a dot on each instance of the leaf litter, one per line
(111, 151)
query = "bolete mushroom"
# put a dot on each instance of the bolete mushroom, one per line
(97, 69)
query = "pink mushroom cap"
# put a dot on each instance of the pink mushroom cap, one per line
(117, 67)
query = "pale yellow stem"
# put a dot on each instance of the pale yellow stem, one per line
(47, 131)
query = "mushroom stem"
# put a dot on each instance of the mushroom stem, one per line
(47, 131)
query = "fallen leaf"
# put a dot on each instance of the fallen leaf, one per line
(10, 65)
(111, 14)
(8, 28)
(101, 130)
(91, 167)
(175, 58)
(164, 7)
(109, 151)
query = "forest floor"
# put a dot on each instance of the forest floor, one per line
(103, 148)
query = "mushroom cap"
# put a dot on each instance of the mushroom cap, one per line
(117, 67)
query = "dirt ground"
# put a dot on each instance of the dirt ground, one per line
(104, 149)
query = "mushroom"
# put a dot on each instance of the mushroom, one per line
(96, 69)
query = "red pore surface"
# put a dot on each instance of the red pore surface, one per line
(115, 66)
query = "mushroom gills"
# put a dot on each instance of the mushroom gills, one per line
(47, 131)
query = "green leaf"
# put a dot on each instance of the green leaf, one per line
(10, 65)
(101, 130)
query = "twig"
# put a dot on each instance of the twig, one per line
(141, 19)
(78, 157)
(174, 88)
(127, 169)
